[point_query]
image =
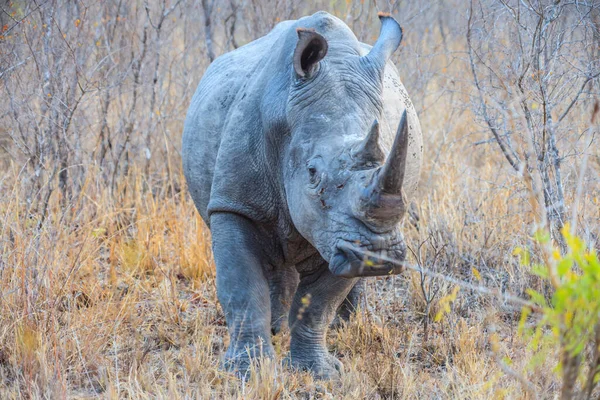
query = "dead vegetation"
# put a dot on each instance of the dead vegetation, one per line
(106, 277)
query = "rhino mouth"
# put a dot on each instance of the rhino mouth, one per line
(351, 260)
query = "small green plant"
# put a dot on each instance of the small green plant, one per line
(570, 314)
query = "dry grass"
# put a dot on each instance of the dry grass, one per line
(113, 295)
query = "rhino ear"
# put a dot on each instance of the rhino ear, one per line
(310, 49)
(389, 39)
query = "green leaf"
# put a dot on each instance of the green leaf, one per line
(537, 297)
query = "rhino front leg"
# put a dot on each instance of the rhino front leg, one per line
(317, 299)
(242, 289)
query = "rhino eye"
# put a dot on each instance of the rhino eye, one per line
(315, 177)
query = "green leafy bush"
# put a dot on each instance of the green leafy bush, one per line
(569, 320)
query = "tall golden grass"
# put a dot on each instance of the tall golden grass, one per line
(115, 296)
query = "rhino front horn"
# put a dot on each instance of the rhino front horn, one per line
(392, 173)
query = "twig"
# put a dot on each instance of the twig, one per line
(7, 70)
(505, 297)
(512, 159)
(582, 171)
(589, 78)
(514, 374)
(22, 19)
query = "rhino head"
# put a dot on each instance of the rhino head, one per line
(344, 191)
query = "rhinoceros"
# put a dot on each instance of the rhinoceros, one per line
(300, 151)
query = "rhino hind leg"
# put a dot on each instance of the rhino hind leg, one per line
(242, 289)
(353, 301)
(283, 284)
(315, 304)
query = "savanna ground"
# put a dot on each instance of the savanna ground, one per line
(106, 276)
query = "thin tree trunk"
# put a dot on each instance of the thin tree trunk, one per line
(207, 6)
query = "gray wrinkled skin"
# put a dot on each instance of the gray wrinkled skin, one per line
(269, 157)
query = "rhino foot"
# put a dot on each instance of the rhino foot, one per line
(239, 358)
(325, 366)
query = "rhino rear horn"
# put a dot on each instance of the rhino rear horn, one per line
(310, 49)
(368, 150)
(389, 39)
